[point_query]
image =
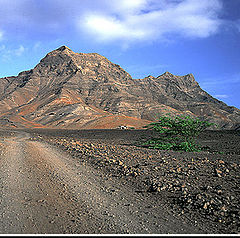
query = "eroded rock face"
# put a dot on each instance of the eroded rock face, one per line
(78, 90)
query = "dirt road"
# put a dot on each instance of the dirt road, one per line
(45, 190)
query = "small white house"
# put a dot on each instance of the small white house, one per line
(122, 127)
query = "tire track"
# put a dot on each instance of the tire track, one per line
(30, 203)
(14, 216)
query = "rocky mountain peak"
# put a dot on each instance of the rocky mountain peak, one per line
(150, 77)
(63, 51)
(167, 74)
(62, 48)
(185, 82)
(86, 90)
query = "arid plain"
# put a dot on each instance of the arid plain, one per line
(103, 182)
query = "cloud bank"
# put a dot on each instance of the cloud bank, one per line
(112, 20)
(153, 19)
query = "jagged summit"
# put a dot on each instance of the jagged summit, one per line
(168, 74)
(86, 90)
(150, 77)
(65, 49)
(62, 48)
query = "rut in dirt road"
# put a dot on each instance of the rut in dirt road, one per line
(45, 190)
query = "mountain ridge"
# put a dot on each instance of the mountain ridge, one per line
(82, 90)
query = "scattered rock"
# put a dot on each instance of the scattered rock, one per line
(200, 185)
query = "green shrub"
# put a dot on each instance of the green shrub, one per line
(176, 133)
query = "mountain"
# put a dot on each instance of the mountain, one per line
(79, 91)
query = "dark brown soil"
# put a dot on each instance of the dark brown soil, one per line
(201, 188)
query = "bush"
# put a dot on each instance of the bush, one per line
(176, 133)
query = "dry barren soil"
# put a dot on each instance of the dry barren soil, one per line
(103, 182)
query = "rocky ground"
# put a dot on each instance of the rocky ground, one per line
(202, 188)
(46, 190)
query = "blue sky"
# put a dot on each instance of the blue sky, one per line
(145, 37)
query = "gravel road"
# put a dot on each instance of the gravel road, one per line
(43, 190)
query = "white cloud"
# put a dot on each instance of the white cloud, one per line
(19, 51)
(1, 35)
(107, 27)
(8, 54)
(37, 45)
(152, 19)
(126, 7)
(221, 96)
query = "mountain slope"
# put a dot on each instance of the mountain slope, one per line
(78, 90)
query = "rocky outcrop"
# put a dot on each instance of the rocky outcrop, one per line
(78, 90)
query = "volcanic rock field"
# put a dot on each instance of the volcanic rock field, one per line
(200, 187)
